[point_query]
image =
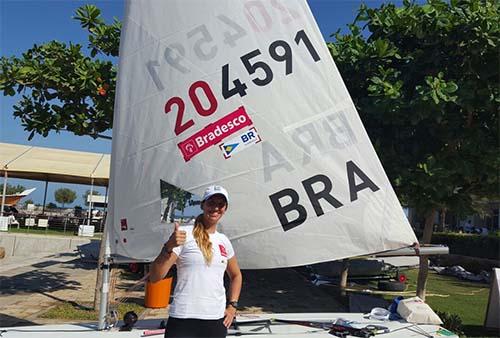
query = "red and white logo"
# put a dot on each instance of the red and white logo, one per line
(189, 147)
(123, 224)
(214, 133)
(222, 250)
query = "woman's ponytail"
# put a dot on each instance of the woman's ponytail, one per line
(203, 239)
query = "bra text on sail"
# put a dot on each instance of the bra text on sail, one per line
(315, 196)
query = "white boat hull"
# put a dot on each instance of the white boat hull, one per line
(88, 330)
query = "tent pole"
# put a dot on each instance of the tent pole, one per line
(106, 200)
(105, 207)
(89, 215)
(45, 196)
(4, 190)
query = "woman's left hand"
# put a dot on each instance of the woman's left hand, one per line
(229, 315)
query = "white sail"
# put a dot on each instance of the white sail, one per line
(245, 94)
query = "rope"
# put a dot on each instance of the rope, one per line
(134, 287)
(113, 309)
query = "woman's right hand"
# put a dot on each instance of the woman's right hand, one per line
(165, 260)
(177, 238)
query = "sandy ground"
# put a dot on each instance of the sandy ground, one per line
(30, 286)
(264, 291)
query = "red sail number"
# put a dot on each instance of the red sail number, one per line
(194, 90)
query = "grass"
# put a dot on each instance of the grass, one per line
(468, 300)
(74, 311)
(449, 294)
(39, 231)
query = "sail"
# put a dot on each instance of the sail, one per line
(244, 94)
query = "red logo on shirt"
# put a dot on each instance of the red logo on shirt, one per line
(222, 250)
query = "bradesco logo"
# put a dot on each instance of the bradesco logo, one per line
(214, 133)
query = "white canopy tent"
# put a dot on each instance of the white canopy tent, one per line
(53, 165)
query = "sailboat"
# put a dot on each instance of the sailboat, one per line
(244, 94)
(13, 199)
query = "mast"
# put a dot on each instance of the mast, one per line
(103, 304)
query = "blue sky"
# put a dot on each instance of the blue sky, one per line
(24, 23)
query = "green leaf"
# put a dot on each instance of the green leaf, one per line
(450, 87)
(435, 97)
(9, 91)
(25, 70)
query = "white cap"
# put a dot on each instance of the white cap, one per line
(214, 190)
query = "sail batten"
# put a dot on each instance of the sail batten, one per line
(245, 94)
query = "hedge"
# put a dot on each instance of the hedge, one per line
(470, 245)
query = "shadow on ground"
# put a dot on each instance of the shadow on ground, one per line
(136, 300)
(79, 264)
(71, 302)
(37, 281)
(479, 331)
(284, 290)
(6, 321)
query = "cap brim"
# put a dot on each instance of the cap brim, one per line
(217, 193)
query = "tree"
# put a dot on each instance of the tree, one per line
(176, 198)
(425, 81)
(84, 196)
(51, 206)
(62, 89)
(12, 189)
(64, 195)
(26, 202)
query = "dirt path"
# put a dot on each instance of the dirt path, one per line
(30, 287)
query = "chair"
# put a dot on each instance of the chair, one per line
(4, 223)
(43, 223)
(29, 222)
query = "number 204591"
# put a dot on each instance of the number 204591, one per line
(279, 50)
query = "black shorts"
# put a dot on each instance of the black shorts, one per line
(190, 328)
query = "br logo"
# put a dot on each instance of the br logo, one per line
(240, 142)
(248, 136)
(229, 148)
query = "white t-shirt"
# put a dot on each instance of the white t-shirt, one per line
(199, 292)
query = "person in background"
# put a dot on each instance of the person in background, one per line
(202, 255)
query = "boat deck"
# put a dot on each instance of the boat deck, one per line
(258, 327)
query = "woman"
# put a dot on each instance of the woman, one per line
(202, 255)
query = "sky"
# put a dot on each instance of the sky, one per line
(25, 23)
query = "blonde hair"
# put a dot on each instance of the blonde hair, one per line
(202, 239)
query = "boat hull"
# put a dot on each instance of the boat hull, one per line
(255, 327)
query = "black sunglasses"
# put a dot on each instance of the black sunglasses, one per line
(216, 202)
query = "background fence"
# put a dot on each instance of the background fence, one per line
(54, 224)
